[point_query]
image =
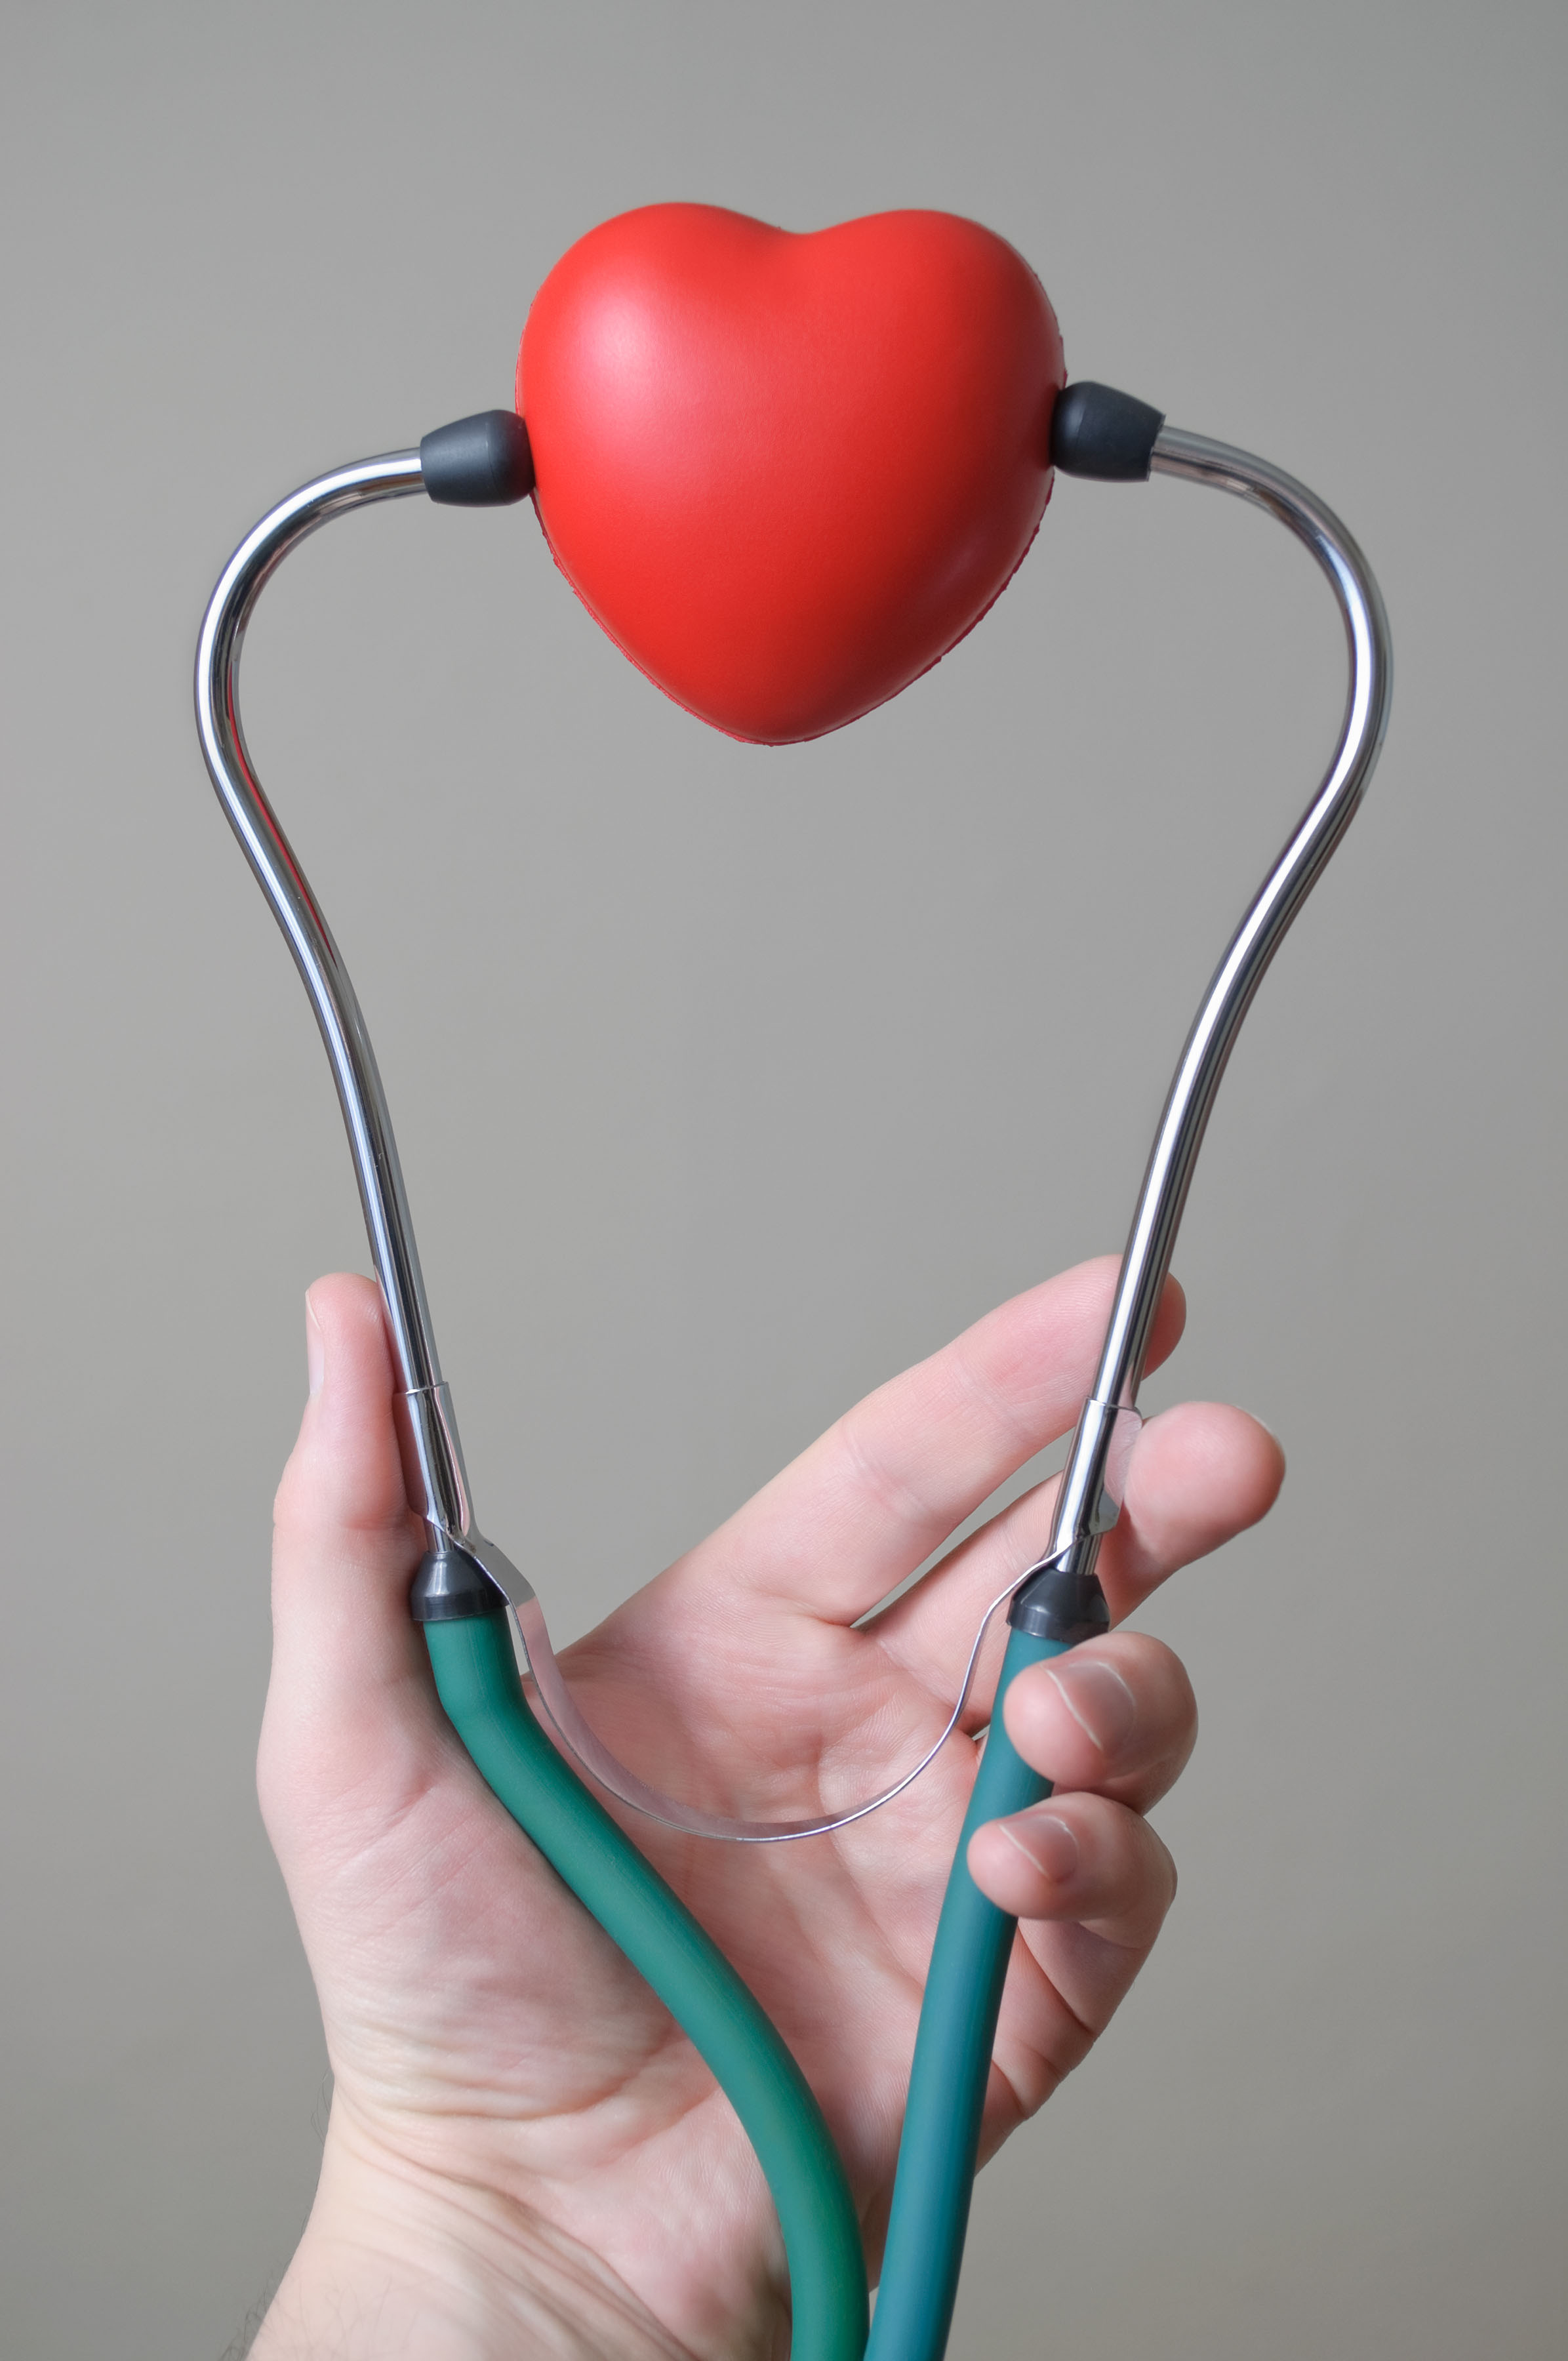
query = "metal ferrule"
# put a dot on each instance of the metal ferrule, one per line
(1095, 1476)
(427, 1428)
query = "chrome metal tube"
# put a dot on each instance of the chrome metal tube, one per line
(1082, 1513)
(316, 955)
(1091, 1493)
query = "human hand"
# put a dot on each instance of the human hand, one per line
(524, 2152)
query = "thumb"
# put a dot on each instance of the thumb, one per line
(350, 1681)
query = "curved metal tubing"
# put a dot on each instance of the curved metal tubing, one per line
(1091, 1489)
(1082, 1512)
(317, 957)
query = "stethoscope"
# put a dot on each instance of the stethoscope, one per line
(466, 1587)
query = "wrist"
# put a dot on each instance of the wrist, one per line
(395, 2260)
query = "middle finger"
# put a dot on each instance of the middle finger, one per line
(1116, 1716)
(1199, 1474)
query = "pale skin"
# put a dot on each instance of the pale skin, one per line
(525, 2157)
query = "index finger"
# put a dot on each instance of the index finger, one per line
(859, 1510)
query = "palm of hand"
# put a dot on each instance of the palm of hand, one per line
(487, 2037)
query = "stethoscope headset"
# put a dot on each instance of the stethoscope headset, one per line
(467, 1589)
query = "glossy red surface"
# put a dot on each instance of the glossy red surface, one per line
(788, 472)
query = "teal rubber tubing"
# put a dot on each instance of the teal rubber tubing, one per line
(952, 2063)
(476, 1677)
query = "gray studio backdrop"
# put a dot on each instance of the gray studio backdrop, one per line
(729, 1081)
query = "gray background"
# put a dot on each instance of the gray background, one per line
(729, 1081)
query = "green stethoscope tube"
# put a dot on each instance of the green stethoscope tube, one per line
(476, 1677)
(952, 2062)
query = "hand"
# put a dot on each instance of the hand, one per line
(524, 2154)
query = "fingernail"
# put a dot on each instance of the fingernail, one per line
(1048, 1842)
(1099, 1702)
(316, 1350)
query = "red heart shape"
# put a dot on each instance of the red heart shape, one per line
(786, 473)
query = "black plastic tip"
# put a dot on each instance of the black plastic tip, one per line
(483, 462)
(450, 1587)
(1095, 431)
(1058, 1604)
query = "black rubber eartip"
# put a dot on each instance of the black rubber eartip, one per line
(1095, 431)
(483, 462)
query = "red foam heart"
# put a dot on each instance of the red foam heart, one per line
(786, 473)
